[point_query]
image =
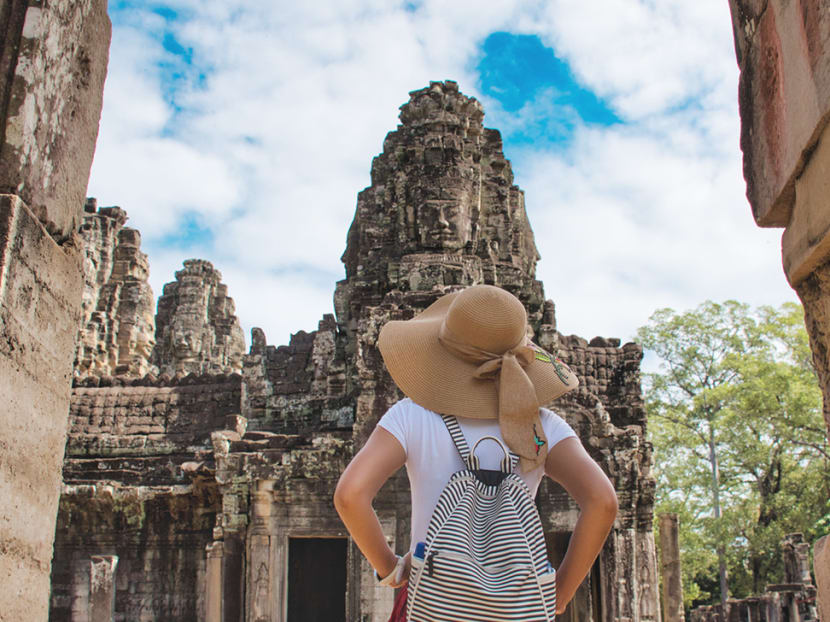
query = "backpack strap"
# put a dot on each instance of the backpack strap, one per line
(514, 460)
(508, 463)
(459, 441)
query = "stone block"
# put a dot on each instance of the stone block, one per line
(821, 569)
(40, 297)
(102, 588)
(52, 93)
(784, 96)
(806, 240)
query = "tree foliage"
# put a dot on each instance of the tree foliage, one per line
(739, 440)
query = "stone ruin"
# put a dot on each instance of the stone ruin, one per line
(198, 479)
(196, 329)
(791, 601)
(783, 51)
(116, 336)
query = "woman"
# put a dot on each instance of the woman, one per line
(468, 355)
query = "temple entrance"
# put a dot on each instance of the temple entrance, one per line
(586, 603)
(317, 579)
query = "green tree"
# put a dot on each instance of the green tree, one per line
(740, 448)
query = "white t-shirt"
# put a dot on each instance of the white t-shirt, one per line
(431, 456)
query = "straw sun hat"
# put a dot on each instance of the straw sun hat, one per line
(468, 354)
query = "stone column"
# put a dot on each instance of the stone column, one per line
(670, 569)
(261, 604)
(376, 601)
(53, 62)
(648, 597)
(213, 582)
(233, 578)
(102, 588)
(93, 589)
(821, 567)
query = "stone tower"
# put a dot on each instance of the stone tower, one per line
(197, 330)
(117, 328)
(442, 210)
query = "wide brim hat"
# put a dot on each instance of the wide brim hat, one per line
(449, 359)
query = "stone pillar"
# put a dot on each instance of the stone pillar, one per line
(224, 580)
(821, 567)
(52, 66)
(93, 589)
(79, 611)
(670, 569)
(262, 606)
(102, 588)
(796, 554)
(375, 600)
(213, 581)
(648, 598)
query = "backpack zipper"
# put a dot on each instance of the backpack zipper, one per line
(430, 558)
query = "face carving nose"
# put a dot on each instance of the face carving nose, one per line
(442, 222)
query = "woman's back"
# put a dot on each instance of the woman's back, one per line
(431, 457)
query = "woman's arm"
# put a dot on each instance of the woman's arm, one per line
(380, 457)
(570, 465)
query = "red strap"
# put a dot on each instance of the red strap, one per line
(399, 610)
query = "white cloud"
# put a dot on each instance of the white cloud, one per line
(270, 149)
(639, 221)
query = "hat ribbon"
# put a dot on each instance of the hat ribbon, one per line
(519, 420)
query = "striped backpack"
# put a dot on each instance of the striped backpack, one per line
(484, 558)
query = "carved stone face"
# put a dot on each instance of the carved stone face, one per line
(141, 344)
(187, 343)
(444, 224)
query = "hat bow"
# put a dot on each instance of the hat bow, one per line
(519, 419)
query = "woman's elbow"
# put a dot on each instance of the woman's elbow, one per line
(602, 503)
(342, 496)
(607, 504)
(349, 494)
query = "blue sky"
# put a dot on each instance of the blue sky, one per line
(241, 132)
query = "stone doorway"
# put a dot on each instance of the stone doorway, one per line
(587, 603)
(317, 579)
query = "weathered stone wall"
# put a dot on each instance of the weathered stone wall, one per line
(783, 51)
(159, 536)
(139, 485)
(821, 565)
(299, 388)
(118, 325)
(141, 431)
(53, 59)
(784, 97)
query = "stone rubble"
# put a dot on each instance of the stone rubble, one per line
(791, 601)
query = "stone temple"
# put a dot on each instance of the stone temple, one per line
(198, 477)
